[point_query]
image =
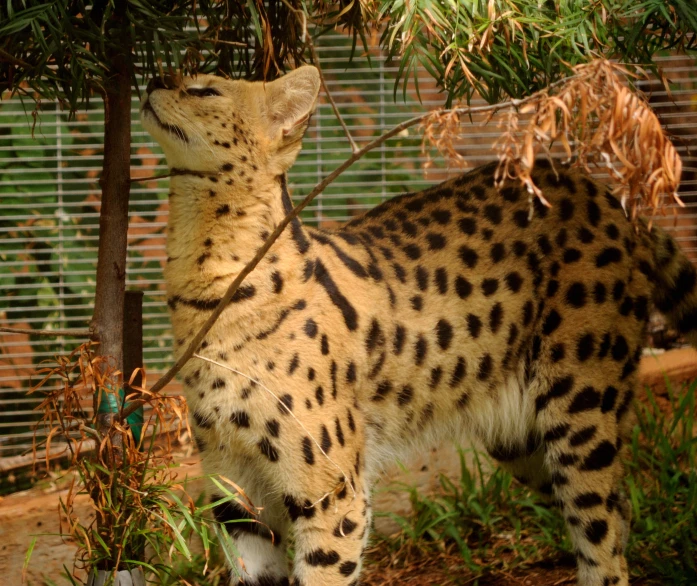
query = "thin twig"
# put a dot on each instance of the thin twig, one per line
(288, 410)
(251, 265)
(75, 333)
(302, 17)
(151, 178)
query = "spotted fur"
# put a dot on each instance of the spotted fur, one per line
(449, 311)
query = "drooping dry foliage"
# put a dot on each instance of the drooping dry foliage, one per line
(137, 498)
(599, 123)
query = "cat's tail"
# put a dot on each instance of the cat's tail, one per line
(675, 284)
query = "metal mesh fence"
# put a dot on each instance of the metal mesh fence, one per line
(49, 204)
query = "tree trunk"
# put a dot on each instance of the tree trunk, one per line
(107, 321)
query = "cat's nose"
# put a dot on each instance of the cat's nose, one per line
(160, 83)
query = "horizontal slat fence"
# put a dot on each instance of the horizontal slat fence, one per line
(49, 205)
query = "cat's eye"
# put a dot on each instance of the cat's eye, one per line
(202, 92)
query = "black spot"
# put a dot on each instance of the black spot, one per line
(511, 194)
(566, 209)
(286, 404)
(493, 213)
(513, 281)
(324, 346)
(310, 328)
(624, 406)
(436, 375)
(496, 317)
(444, 333)
(421, 278)
(399, 337)
(239, 418)
(405, 396)
(375, 337)
(222, 210)
(297, 510)
(319, 395)
(602, 456)
(441, 277)
(576, 295)
(596, 531)
(339, 431)
(416, 302)
(551, 323)
(308, 453)
(441, 216)
(345, 527)
(560, 388)
(268, 450)
(273, 427)
(552, 287)
(571, 255)
(319, 557)
(382, 390)
(558, 352)
(489, 286)
(435, 241)
(202, 421)
(412, 251)
(587, 500)
(609, 399)
(593, 213)
(562, 238)
(326, 441)
(485, 367)
(512, 334)
(463, 287)
(544, 244)
(498, 252)
(612, 231)
(519, 248)
(420, 349)
(608, 255)
(474, 325)
(585, 347)
(556, 433)
(567, 459)
(399, 272)
(582, 436)
(586, 400)
(620, 349)
(351, 373)
(469, 256)
(218, 383)
(459, 372)
(468, 226)
(585, 235)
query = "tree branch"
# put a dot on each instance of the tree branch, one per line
(251, 265)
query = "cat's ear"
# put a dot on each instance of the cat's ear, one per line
(290, 101)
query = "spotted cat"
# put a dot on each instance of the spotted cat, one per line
(455, 310)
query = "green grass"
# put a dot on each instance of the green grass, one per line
(494, 524)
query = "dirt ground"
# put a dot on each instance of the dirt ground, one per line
(34, 513)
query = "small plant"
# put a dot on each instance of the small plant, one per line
(144, 517)
(488, 524)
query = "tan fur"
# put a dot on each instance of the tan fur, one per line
(438, 313)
